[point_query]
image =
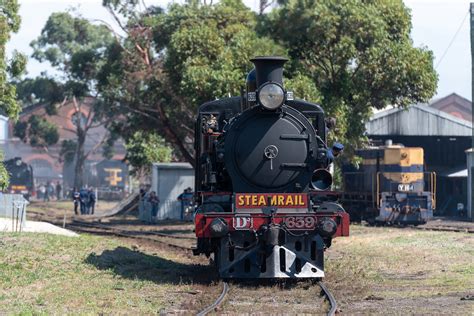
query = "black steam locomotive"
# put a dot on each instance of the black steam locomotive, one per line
(261, 164)
(21, 177)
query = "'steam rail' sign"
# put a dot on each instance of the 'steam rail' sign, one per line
(281, 200)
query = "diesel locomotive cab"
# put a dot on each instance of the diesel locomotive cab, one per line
(259, 159)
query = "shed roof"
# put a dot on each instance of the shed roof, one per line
(173, 165)
(455, 173)
(417, 120)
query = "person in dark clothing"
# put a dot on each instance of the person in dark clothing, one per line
(335, 151)
(46, 192)
(59, 189)
(186, 199)
(92, 199)
(154, 201)
(84, 200)
(76, 199)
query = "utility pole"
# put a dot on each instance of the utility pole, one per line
(470, 153)
(472, 68)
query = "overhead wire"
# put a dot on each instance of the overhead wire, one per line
(452, 40)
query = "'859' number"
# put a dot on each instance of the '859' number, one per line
(300, 222)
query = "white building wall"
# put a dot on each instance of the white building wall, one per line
(3, 129)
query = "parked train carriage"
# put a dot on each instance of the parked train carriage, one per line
(259, 159)
(21, 177)
(391, 186)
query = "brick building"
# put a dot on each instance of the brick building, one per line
(45, 161)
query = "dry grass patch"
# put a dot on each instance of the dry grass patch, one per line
(392, 271)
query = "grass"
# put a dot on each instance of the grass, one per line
(375, 271)
(60, 207)
(403, 268)
(46, 274)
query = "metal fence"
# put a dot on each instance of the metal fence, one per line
(13, 206)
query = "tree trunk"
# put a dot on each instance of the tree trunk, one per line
(173, 137)
(79, 160)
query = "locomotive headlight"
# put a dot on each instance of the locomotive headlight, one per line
(271, 96)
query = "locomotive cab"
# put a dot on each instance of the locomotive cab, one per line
(259, 158)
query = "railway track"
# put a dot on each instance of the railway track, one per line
(101, 229)
(447, 229)
(107, 230)
(332, 301)
(96, 228)
(150, 233)
(217, 302)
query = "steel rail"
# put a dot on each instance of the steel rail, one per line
(151, 233)
(114, 232)
(217, 302)
(330, 298)
(447, 229)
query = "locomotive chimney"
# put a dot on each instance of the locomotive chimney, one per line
(269, 68)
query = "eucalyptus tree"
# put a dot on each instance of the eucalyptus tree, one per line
(75, 48)
(9, 69)
(359, 55)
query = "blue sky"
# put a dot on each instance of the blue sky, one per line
(435, 22)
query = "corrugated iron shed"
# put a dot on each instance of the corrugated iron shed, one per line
(417, 120)
(169, 180)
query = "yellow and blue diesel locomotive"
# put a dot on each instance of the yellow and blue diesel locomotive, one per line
(390, 186)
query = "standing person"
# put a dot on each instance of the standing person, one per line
(154, 201)
(186, 199)
(84, 200)
(42, 190)
(92, 199)
(46, 192)
(59, 189)
(76, 198)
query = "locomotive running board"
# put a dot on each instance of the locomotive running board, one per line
(281, 261)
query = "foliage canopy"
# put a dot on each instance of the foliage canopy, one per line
(358, 53)
(9, 69)
(75, 48)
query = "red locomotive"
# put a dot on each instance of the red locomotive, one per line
(261, 169)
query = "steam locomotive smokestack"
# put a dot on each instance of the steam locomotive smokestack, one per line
(269, 68)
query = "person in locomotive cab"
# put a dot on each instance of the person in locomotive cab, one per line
(334, 152)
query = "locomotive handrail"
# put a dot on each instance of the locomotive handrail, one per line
(433, 196)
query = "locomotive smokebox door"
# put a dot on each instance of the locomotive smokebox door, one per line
(273, 151)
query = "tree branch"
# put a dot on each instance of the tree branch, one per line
(116, 18)
(96, 146)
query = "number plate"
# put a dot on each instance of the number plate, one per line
(405, 187)
(300, 222)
